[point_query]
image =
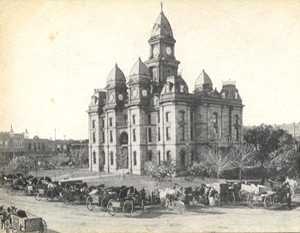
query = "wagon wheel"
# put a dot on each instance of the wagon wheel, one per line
(89, 204)
(110, 208)
(268, 202)
(128, 206)
(43, 227)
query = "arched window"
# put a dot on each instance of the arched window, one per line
(169, 156)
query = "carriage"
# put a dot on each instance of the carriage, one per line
(98, 196)
(45, 188)
(22, 221)
(126, 200)
(279, 196)
(74, 191)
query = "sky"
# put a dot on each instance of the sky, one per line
(53, 54)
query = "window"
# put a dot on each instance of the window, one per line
(133, 135)
(168, 133)
(159, 157)
(103, 136)
(192, 125)
(182, 138)
(168, 156)
(111, 158)
(149, 119)
(103, 157)
(158, 133)
(237, 134)
(167, 116)
(149, 135)
(215, 122)
(158, 116)
(237, 120)
(103, 122)
(133, 119)
(110, 136)
(150, 155)
(94, 137)
(125, 117)
(192, 157)
(182, 88)
(182, 116)
(134, 158)
(182, 158)
(110, 121)
(93, 124)
(94, 157)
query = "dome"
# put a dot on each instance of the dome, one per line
(203, 82)
(115, 77)
(162, 27)
(139, 68)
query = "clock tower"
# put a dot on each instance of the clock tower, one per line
(162, 62)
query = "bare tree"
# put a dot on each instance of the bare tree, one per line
(217, 161)
(242, 156)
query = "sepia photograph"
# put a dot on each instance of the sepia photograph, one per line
(120, 116)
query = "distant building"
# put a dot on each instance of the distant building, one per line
(18, 144)
(152, 116)
(11, 144)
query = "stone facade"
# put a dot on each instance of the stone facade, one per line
(152, 116)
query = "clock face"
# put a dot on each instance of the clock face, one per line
(155, 51)
(120, 96)
(169, 50)
(144, 92)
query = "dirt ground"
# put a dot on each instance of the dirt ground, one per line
(62, 218)
(76, 218)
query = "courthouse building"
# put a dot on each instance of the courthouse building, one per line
(151, 115)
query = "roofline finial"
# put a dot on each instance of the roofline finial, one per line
(161, 7)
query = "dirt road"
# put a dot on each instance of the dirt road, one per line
(76, 218)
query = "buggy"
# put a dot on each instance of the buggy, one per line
(126, 200)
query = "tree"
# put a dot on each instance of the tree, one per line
(286, 160)
(266, 140)
(217, 161)
(242, 157)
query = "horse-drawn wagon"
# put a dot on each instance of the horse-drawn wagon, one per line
(21, 221)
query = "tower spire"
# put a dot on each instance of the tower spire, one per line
(161, 7)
